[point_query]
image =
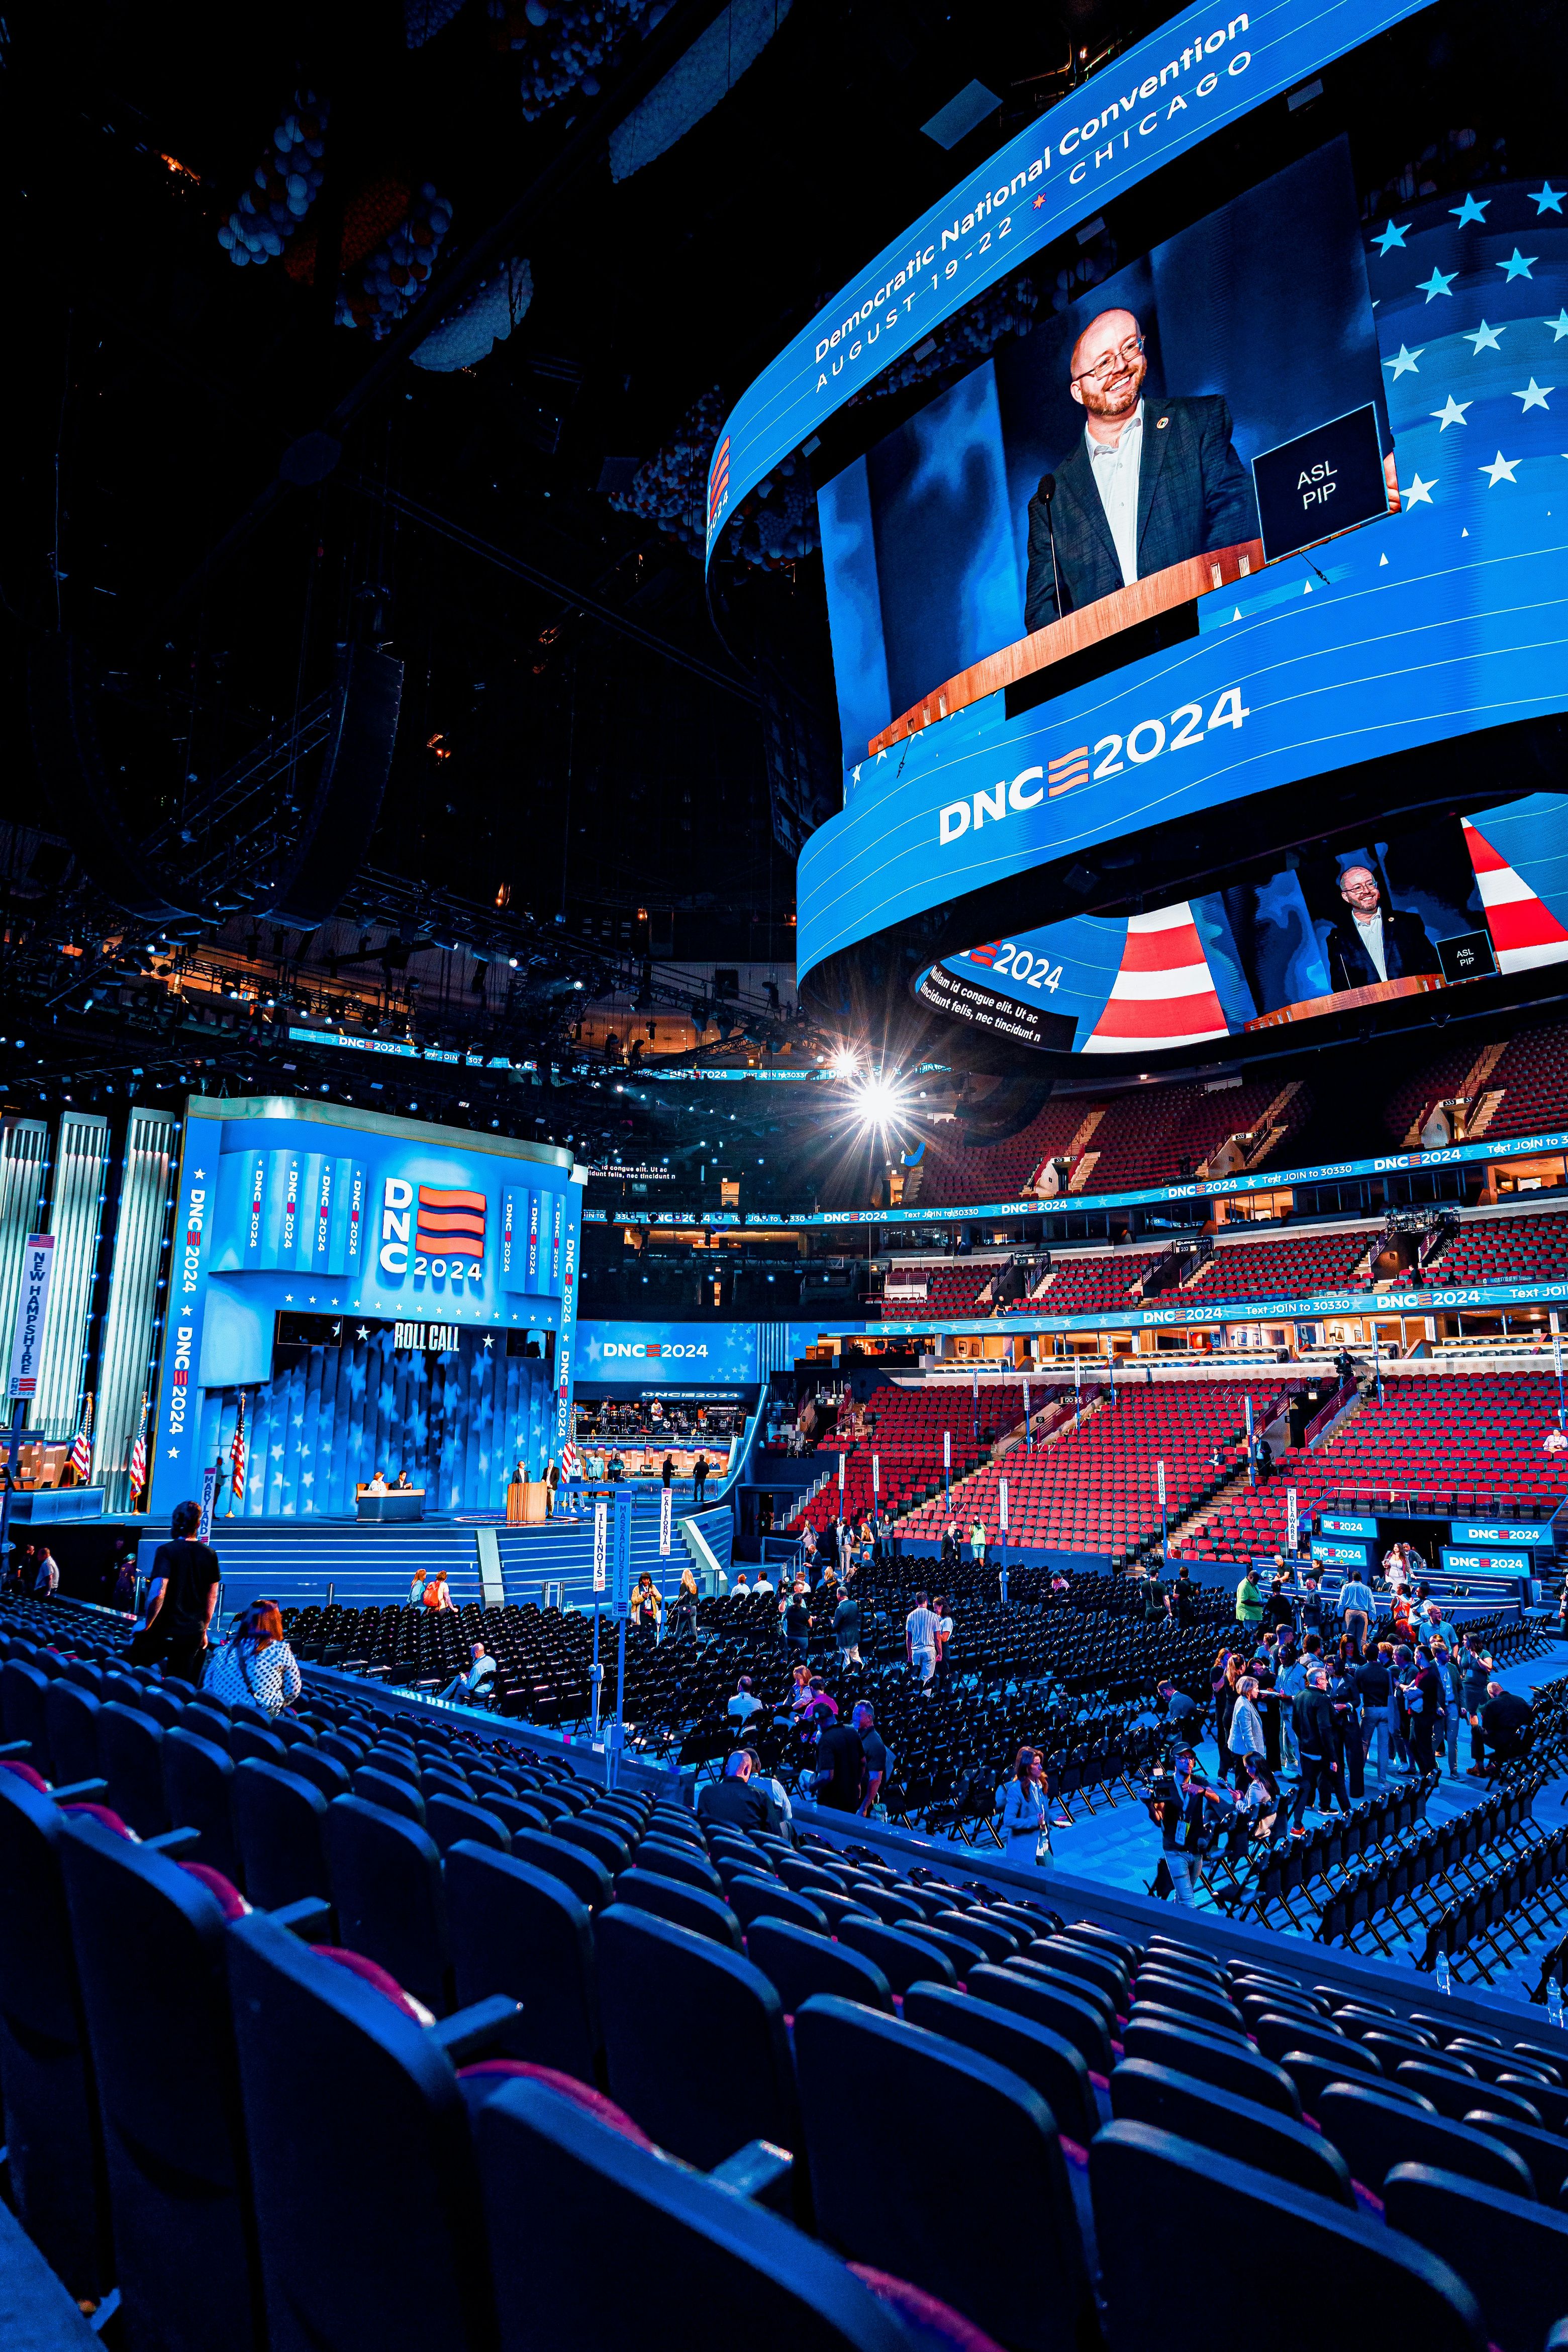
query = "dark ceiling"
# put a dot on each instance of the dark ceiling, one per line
(612, 754)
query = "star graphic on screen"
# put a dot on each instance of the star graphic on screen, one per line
(1500, 469)
(277, 1453)
(1419, 493)
(363, 1333)
(1452, 412)
(1470, 210)
(1436, 283)
(1485, 338)
(1392, 235)
(490, 1343)
(1549, 200)
(1405, 362)
(1516, 266)
(174, 1453)
(1535, 397)
(1559, 326)
(288, 1298)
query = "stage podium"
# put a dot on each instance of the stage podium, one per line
(1076, 633)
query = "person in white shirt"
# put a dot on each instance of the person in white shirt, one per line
(921, 1627)
(378, 1483)
(45, 1584)
(743, 1707)
(1356, 1606)
(1554, 1441)
(763, 1582)
(740, 1585)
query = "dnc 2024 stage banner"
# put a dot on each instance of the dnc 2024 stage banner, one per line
(1196, 1315)
(314, 1209)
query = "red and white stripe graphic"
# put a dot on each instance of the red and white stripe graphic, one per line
(1525, 932)
(1165, 992)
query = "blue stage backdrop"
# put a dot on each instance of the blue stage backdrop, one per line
(330, 1417)
(358, 1281)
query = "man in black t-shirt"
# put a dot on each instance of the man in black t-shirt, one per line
(181, 1597)
(864, 1722)
(840, 1768)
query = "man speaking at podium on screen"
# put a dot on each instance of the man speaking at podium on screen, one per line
(1150, 483)
(1371, 942)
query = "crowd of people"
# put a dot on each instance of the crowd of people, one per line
(1311, 1692)
(845, 1764)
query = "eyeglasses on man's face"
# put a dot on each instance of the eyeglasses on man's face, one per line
(1125, 356)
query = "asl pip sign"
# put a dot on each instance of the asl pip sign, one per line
(1322, 482)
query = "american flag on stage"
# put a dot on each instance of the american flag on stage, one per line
(81, 1452)
(139, 1456)
(450, 1224)
(237, 1454)
(571, 1462)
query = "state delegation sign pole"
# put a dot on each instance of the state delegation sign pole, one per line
(615, 1736)
(601, 1561)
(1557, 1364)
(38, 1264)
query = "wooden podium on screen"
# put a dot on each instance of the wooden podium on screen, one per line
(1075, 632)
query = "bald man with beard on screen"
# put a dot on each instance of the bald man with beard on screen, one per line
(1371, 942)
(1149, 483)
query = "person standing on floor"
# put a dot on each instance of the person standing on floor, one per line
(1475, 1671)
(921, 1639)
(181, 1598)
(1423, 1705)
(1227, 1674)
(1374, 1680)
(1356, 1607)
(1317, 1739)
(1244, 1738)
(1025, 1819)
(1186, 1831)
(1344, 1696)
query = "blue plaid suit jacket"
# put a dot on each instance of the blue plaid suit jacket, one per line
(1193, 494)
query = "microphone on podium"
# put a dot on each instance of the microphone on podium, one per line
(1048, 492)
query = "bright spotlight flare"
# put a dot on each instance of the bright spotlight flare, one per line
(877, 1102)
